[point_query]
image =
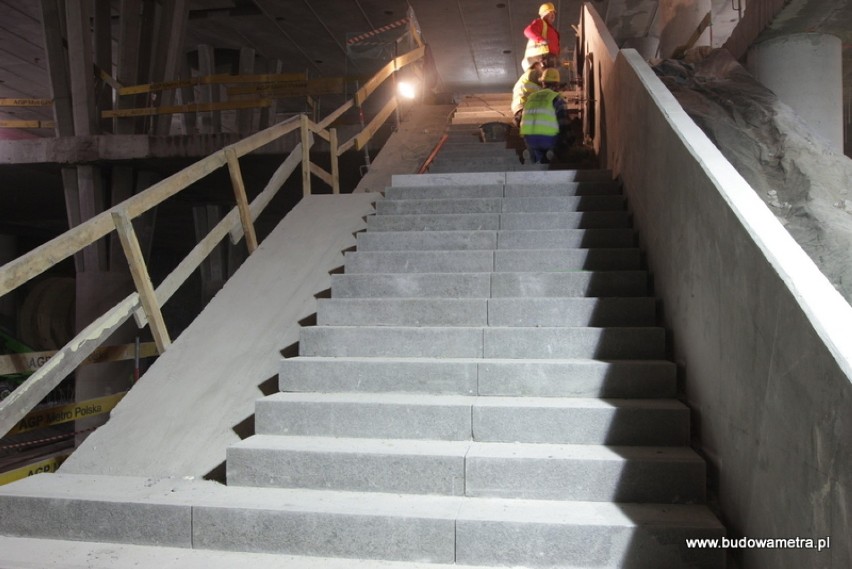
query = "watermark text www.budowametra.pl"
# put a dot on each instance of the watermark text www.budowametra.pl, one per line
(760, 543)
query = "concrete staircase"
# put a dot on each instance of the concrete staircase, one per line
(491, 349)
(467, 147)
(485, 386)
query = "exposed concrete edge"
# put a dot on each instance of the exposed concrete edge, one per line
(825, 307)
(180, 418)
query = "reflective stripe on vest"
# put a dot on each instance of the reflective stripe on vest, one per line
(539, 115)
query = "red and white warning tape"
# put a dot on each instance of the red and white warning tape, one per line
(377, 31)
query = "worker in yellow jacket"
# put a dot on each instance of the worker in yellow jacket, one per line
(528, 83)
(545, 121)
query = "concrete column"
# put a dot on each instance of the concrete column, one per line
(806, 72)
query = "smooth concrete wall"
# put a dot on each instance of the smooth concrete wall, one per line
(762, 340)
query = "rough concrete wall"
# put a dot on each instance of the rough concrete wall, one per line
(759, 334)
(676, 22)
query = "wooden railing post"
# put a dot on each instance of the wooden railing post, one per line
(335, 165)
(139, 272)
(242, 200)
(306, 155)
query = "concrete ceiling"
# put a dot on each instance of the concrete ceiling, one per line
(477, 44)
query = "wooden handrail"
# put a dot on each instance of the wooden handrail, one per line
(145, 304)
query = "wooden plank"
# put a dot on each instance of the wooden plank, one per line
(336, 114)
(279, 177)
(335, 163)
(311, 87)
(26, 102)
(17, 272)
(192, 261)
(26, 124)
(321, 174)
(408, 58)
(31, 392)
(365, 135)
(195, 107)
(32, 361)
(306, 155)
(213, 79)
(264, 137)
(139, 272)
(372, 84)
(346, 146)
(242, 200)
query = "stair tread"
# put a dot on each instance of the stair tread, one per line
(469, 449)
(205, 494)
(20, 553)
(427, 399)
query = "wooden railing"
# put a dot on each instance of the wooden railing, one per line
(144, 305)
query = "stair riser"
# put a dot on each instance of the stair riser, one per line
(357, 472)
(599, 546)
(494, 221)
(499, 285)
(490, 240)
(582, 284)
(503, 261)
(325, 534)
(427, 241)
(614, 426)
(567, 220)
(413, 285)
(438, 222)
(377, 376)
(496, 205)
(482, 312)
(562, 425)
(513, 379)
(631, 480)
(448, 342)
(445, 192)
(364, 420)
(562, 190)
(110, 520)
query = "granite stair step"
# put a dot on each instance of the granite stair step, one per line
(577, 420)
(471, 376)
(466, 468)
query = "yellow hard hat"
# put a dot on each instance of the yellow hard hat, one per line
(550, 75)
(546, 9)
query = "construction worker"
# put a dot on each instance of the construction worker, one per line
(542, 36)
(529, 82)
(545, 123)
